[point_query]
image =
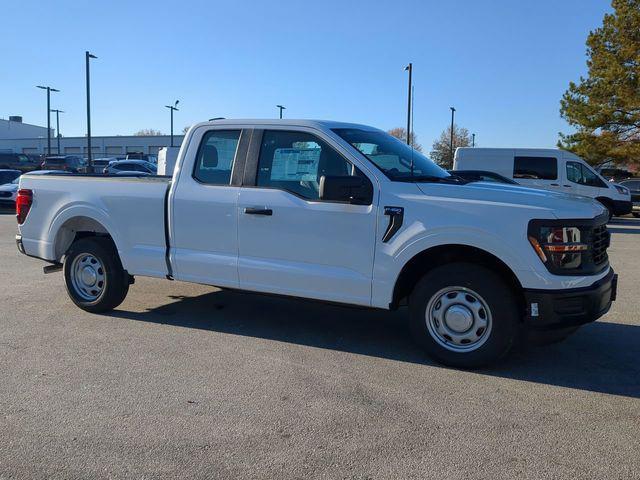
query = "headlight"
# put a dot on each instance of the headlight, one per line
(622, 190)
(579, 249)
(560, 248)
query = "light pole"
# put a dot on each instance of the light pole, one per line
(88, 56)
(473, 139)
(281, 107)
(172, 108)
(453, 111)
(49, 90)
(58, 112)
(409, 68)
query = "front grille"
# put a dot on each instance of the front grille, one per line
(599, 242)
(5, 194)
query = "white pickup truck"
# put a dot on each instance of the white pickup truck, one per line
(336, 212)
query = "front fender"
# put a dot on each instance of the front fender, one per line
(415, 239)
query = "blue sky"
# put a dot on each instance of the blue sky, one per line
(503, 64)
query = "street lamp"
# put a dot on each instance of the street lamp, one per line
(172, 108)
(49, 90)
(281, 107)
(88, 56)
(58, 112)
(409, 68)
(453, 111)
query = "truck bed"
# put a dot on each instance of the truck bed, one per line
(130, 209)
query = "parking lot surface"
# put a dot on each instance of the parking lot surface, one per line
(188, 381)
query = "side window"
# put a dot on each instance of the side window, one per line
(590, 178)
(295, 162)
(23, 159)
(215, 157)
(578, 173)
(536, 168)
(574, 172)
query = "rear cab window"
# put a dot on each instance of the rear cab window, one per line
(215, 158)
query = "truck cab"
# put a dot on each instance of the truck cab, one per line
(337, 212)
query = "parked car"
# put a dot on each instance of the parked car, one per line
(17, 161)
(142, 156)
(482, 176)
(8, 176)
(8, 192)
(130, 166)
(131, 173)
(634, 187)
(614, 174)
(99, 164)
(336, 212)
(548, 169)
(69, 163)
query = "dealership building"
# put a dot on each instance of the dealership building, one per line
(19, 137)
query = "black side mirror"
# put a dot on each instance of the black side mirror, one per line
(354, 190)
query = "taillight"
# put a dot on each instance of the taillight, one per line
(23, 204)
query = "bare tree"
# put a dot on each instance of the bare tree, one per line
(401, 133)
(441, 150)
(148, 132)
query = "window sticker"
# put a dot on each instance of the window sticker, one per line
(295, 164)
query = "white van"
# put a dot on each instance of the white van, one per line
(548, 169)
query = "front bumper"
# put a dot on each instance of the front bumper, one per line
(552, 309)
(622, 207)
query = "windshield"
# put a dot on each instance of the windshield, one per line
(395, 158)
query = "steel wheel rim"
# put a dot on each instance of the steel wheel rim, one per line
(88, 276)
(458, 319)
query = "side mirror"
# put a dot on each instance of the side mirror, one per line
(349, 189)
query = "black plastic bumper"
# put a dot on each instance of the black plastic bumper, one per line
(622, 207)
(551, 309)
(19, 244)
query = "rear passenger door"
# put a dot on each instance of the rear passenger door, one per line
(204, 220)
(289, 240)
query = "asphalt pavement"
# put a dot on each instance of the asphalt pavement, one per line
(187, 381)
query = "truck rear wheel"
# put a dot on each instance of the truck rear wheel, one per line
(464, 315)
(93, 275)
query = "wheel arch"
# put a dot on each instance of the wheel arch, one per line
(440, 255)
(75, 227)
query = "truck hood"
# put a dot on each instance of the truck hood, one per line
(560, 205)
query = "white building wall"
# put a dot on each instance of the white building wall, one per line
(12, 130)
(100, 146)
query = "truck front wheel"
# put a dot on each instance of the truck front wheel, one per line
(93, 275)
(464, 315)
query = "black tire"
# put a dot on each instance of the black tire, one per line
(116, 280)
(504, 314)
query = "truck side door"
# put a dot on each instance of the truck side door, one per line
(289, 241)
(203, 218)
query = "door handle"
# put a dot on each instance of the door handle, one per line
(568, 186)
(554, 184)
(258, 211)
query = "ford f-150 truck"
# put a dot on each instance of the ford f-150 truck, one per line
(337, 212)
